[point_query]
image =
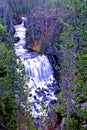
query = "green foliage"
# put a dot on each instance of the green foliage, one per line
(70, 45)
(81, 77)
(13, 89)
(74, 124)
(74, 39)
(62, 107)
(8, 104)
(9, 41)
(29, 125)
(2, 31)
(8, 109)
(58, 2)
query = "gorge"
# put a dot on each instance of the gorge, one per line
(43, 65)
(40, 71)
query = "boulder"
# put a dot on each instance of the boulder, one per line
(16, 39)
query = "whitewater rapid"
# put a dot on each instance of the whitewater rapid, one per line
(38, 68)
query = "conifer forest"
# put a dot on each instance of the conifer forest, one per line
(43, 64)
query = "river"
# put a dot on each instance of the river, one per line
(38, 68)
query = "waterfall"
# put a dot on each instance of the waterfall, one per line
(38, 68)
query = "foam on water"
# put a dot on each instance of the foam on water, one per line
(38, 68)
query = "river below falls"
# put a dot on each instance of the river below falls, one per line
(38, 68)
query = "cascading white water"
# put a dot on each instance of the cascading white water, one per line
(38, 67)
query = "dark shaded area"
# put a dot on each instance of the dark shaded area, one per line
(3, 72)
(16, 39)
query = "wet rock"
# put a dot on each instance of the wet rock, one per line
(45, 90)
(45, 99)
(38, 101)
(16, 39)
(49, 86)
(35, 97)
(55, 63)
(53, 101)
(17, 20)
(30, 95)
(57, 91)
(37, 110)
(40, 92)
(25, 24)
(48, 94)
(38, 122)
(34, 105)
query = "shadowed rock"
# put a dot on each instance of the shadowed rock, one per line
(53, 121)
(16, 39)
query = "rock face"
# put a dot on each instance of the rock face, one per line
(54, 60)
(16, 39)
(53, 121)
(17, 20)
(35, 46)
(12, 30)
(45, 33)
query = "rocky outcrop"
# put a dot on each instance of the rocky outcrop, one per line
(55, 63)
(47, 37)
(53, 121)
(35, 46)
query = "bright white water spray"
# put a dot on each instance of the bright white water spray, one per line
(38, 68)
